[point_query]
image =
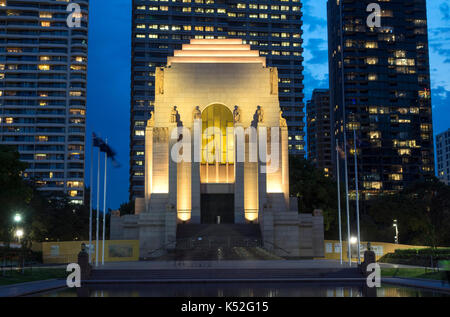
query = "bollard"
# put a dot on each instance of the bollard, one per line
(83, 262)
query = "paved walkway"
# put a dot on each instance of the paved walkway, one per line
(403, 266)
(28, 288)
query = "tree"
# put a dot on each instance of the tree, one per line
(58, 220)
(127, 208)
(314, 190)
(44, 218)
(15, 193)
(421, 210)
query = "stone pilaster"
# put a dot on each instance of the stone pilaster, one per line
(239, 211)
(148, 165)
(195, 171)
(262, 171)
(173, 172)
(251, 203)
(285, 164)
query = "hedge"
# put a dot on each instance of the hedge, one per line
(417, 257)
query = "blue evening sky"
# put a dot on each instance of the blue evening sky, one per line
(109, 76)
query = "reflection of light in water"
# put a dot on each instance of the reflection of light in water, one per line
(241, 290)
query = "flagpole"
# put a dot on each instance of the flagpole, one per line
(98, 209)
(339, 197)
(357, 198)
(349, 251)
(104, 206)
(90, 203)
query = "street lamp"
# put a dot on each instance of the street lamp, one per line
(17, 218)
(396, 231)
(353, 241)
(19, 234)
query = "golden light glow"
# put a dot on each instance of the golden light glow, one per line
(217, 117)
(216, 51)
(216, 60)
(214, 47)
(221, 53)
(251, 216)
(160, 188)
(216, 41)
(274, 187)
(184, 215)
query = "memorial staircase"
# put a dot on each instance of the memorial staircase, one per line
(202, 242)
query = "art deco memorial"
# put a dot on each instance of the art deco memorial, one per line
(217, 153)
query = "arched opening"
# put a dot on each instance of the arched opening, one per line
(217, 165)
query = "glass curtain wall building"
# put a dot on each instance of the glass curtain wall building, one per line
(160, 27)
(380, 87)
(443, 156)
(43, 68)
(318, 125)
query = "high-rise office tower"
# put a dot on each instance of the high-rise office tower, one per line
(43, 72)
(443, 156)
(160, 27)
(380, 87)
(318, 126)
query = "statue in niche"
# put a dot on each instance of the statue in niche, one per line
(159, 81)
(260, 114)
(273, 81)
(174, 115)
(237, 114)
(197, 114)
(151, 121)
(283, 122)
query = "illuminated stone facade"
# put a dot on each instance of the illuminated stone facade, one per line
(217, 121)
(274, 28)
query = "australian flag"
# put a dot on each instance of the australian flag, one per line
(105, 148)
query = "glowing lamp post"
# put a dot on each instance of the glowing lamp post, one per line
(19, 234)
(17, 218)
(396, 231)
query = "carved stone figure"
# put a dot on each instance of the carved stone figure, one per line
(160, 135)
(159, 81)
(197, 114)
(260, 114)
(283, 122)
(174, 115)
(151, 121)
(273, 81)
(237, 114)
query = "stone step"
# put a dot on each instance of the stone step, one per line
(225, 274)
(222, 230)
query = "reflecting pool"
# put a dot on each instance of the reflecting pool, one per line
(241, 290)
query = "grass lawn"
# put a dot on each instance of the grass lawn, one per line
(35, 274)
(412, 273)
